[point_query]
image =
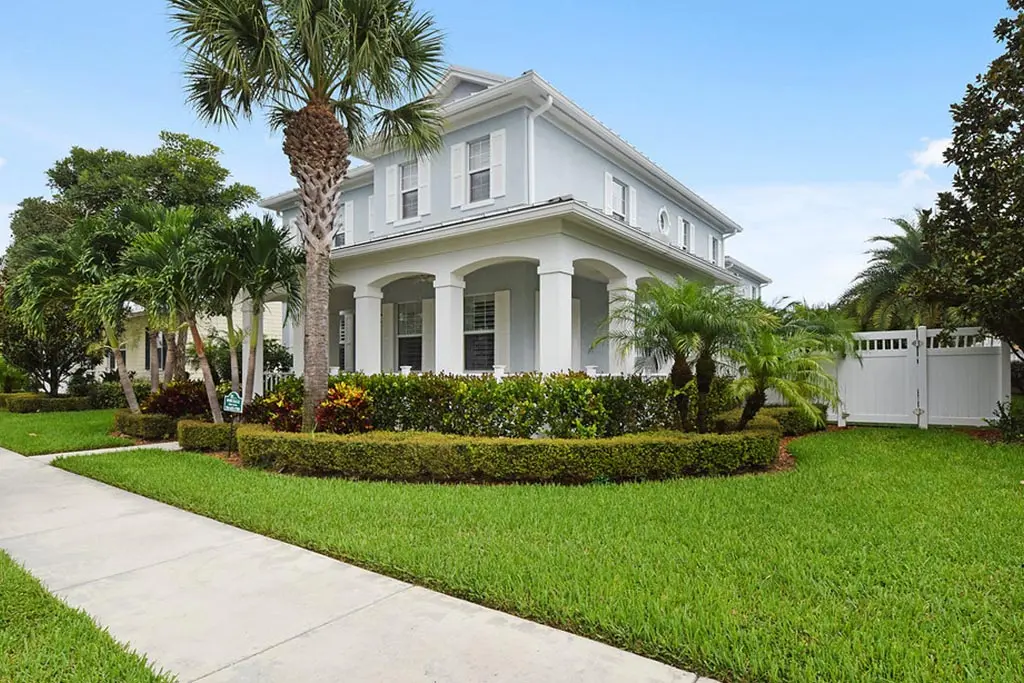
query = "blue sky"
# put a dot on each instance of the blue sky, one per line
(807, 121)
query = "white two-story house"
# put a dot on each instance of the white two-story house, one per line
(505, 248)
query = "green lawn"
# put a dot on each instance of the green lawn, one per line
(42, 639)
(39, 433)
(887, 555)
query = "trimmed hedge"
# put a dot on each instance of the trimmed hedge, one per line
(195, 435)
(39, 403)
(18, 394)
(432, 457)
(791, 421)
(150, 427)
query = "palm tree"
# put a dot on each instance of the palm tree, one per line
(224, 249)
(269, 265)
(334, 74)
(886, 294)
(166, 265)
(685, 325)
(829, 324)
(793, 365)
(83, 269)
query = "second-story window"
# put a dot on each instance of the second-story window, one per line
(339, 228)
(409, 189)
(684, 235)
(663, 221)
(479, 170)
(620, 199)
(716, 251)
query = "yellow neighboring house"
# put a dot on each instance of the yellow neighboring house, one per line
(135, 340)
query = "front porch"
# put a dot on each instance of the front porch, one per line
(532, 297)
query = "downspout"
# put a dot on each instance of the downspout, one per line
(531, 149)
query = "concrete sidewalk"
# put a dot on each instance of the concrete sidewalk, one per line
(214, 603)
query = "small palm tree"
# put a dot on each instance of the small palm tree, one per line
(684, 325)
(829, 324)
(83, 270)
(334, 74)
(165, 264)
(270, 265)
(886, 294)
(793, 365)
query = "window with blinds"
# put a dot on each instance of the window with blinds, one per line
(478, 337)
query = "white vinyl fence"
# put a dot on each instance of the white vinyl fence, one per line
(922, 377)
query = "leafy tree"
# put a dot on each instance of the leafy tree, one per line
(686, 326)
(334, 74)
(34, 218)
(80, 272)
(977, 240)
(791, 364)
(887, 295)
(276, 358)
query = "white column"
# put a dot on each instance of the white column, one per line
(449, 350)
(298, 323)
(367, 329)
(555, 319)
(621, 360)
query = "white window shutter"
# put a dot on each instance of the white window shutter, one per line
(458, 175)
(536, 330)
(370, 216)
(350, 223)
(423, 195)
(721, 252)
(503, 328)
(609, 193)
(693, 239)
(391, 187)
(632, 207)
(429, 345)
(577, 336)
(680, 228)
(498, 164)
(711, 248)
(387, 338)
(346, 321)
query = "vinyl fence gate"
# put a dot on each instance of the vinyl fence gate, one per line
(923, 377)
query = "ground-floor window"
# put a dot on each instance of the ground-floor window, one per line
(161, 350)
(410, 334)
(345, 341)
(478, 332)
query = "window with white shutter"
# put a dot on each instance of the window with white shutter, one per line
(458, 167)
(479, 169)
(498, 163)
(409, 189)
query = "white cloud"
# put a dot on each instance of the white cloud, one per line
(932, 155)
(811, 238)
(2, 162)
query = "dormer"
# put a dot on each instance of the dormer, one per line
(460, 82)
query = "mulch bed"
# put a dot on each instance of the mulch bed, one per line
(987, 435)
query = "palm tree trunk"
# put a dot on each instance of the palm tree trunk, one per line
(204, 365)
(705, 377)
(751, 406)
(236, 380)
(250, 370)
(681, 375)
(317, 148)
(180, 372)
(171, 342)
(154, 361)
(122, 372)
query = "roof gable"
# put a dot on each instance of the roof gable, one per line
(459, 82)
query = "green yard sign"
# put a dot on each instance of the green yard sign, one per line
(233, 403)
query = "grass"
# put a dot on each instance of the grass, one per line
(40, 433)
(889, 555)
(42, 639)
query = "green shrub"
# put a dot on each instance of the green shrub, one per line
(572, 408)
(150, 427)
(1017, 375)
(425, 456)
(179, 399)
(12, 379)
(1009, 420)
(790, 421)
(20, 394)
(40, 403)
(634, 404)
(345, 410)
(111, 395)
(194, 435)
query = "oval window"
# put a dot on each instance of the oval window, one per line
(663, 221)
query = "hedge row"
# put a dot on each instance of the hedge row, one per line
(564, 406)
(40, 403)
(194, 435)
(433, 457)
(4, 398)
(150, 427)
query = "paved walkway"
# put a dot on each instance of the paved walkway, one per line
(214, 603)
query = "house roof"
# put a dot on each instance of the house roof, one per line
(536, 89)
(738, 266)
(456, 74)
